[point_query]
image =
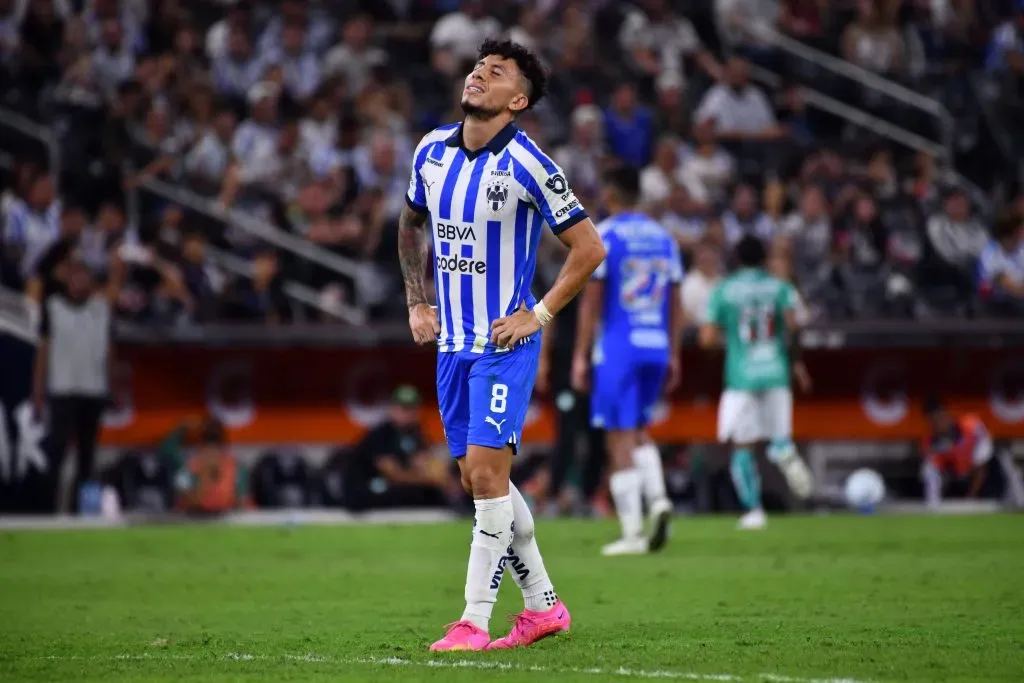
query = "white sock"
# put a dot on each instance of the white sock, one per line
(647, 459)
(524, 562)
(625, 486)
(492, 535)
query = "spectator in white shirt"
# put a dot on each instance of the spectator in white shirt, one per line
(237, 17)
(740, 110)
(319, 128)
(658, 40)
(113, 60)
(209, 159)
(355, 58)
(529, 27)
(462, 32)
(32, 224)
(809, 231)
(707, 169)
(280, 168)
(236, 70)
(657, 179)
(377, 168)
(745, 218)
(299, 65)
(582, 157)
(320, 31)
(699, 282)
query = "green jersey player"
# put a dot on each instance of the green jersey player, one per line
(754, 314)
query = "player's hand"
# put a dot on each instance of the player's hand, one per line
(580, 378)
(675, 375)
(506, 332)
(803, 378)
(541, 384)
(423, 323)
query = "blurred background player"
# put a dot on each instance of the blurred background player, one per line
(487, 187)
(633, 299)
(757, 314)
(960, 459)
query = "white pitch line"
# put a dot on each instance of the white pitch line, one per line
(622, 672)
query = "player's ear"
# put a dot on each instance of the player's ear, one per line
(519, 103)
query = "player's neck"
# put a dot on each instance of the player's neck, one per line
(476, 133)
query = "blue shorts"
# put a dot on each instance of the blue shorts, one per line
(484, 398)
(625, 393)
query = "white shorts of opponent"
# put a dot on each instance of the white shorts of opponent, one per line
(749, 416)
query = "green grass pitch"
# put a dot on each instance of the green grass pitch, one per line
(833, 599)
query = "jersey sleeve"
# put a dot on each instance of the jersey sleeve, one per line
(416, 196)
(789, 300)
(715, 314)
(548, 188)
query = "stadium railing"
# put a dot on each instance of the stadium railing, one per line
(871, 81)
(25, 127)
(352, 313)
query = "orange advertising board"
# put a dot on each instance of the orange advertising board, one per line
(332, 395)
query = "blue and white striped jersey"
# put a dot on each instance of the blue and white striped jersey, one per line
(487, 209)
(640, 267)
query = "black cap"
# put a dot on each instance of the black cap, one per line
(406, 396)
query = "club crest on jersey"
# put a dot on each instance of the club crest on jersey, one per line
(497, 195)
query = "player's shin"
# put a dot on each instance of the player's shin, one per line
(524, 561)
(625, 487)
(745, 477)
(782, 452)
(492, 536)
(648, 460)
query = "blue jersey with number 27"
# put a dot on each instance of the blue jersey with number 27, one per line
(641, 265)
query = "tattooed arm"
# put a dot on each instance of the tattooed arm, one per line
(412, 254)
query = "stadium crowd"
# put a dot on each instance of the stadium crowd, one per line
(304, 116)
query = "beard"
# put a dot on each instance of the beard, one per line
(479, 112)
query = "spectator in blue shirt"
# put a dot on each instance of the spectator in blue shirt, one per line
(1001, 266)
(629, 127)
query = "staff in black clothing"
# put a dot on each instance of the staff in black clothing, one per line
(572, 410)
(73, 366)
(391, 467)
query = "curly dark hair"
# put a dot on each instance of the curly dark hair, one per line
(529, 65)
(751, 252)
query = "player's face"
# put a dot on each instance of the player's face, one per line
(492, 87)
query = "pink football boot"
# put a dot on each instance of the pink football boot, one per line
(532, 626)
(462, 635)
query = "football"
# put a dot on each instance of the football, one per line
(864, 489)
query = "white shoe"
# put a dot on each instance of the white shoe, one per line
(755, 519)
(660, 519)
(625, 546)
(798, 476)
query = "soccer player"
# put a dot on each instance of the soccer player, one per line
(633, 299)
(757, 314)
(485, 191)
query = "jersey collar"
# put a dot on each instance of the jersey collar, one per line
(497, 143)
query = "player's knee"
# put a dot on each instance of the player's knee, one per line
(780, 449)
(487, 481)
